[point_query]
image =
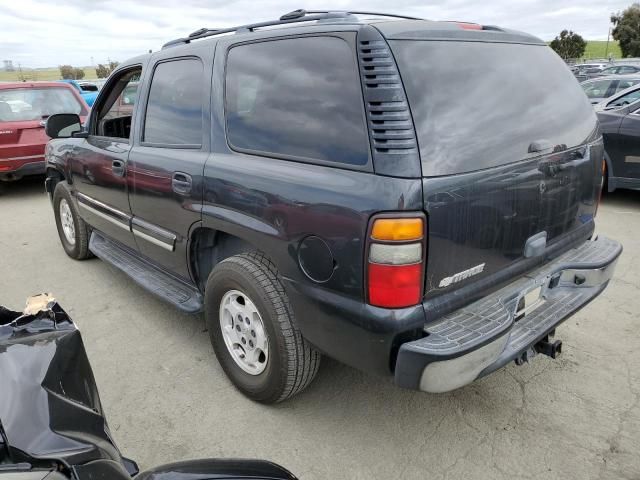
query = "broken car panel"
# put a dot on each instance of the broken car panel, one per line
(51, 420)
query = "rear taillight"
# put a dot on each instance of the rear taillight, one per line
(469, 26)
(395, 261)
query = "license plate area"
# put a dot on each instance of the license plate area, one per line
(529, 302)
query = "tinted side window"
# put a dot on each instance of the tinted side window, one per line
(174, 107)
(296, 97)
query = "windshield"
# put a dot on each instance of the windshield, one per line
(23, 104)
(477, 104)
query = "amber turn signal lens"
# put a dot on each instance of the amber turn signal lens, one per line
(397, 229)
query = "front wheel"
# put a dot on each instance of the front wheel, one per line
(253, 332)
(72, 230)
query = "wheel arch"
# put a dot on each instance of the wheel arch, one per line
(208, 247)
(610, 186)
(54, 176)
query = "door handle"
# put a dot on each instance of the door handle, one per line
(117, 167)
(181, 183)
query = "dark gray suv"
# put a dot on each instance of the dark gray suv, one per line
(412, 198)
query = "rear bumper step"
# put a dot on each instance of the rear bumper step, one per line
(486, 335)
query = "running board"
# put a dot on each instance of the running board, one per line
(181, 295)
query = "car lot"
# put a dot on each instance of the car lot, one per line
(167, 399)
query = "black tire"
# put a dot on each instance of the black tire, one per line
(292, 362)
(80, 249)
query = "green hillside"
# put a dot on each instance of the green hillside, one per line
(41, 74)
(598, 49)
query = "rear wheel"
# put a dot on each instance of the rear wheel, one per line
(72, 230)
(253, 332)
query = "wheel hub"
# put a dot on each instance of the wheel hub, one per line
(243, 332)
(66, 221)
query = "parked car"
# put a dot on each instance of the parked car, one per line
(602, 88)
(52, 425)
(620, 126)
(24, 107)
(276, 179)
(89, 94)
(619, 70)
(584, 71)
(89, 86)
(620, 99)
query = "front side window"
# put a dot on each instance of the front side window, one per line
(24, 104)
(610, 70)
(296, 98)
(174, 107)
(624, 84)
(115, 112)
(625, 100)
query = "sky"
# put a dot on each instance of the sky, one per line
(38, 33)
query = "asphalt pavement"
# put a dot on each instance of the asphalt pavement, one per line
(167, 399)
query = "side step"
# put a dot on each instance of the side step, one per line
(183, 296)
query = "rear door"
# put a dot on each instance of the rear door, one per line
(99, 162)
(168, 157)
(629, 145)
(510, 154)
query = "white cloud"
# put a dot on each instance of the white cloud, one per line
(41, 33)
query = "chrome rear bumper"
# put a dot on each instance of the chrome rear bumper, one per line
(486, 335)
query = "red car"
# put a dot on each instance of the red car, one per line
(24, 108)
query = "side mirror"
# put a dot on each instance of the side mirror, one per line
(62, 125)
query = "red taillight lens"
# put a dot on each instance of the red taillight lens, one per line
(467, 25)
(395, 261)
(395, 286)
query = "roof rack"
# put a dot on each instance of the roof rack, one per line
(295, 16)
(374, 14)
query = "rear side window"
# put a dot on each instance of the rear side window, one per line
(174, 107)
(297, 98)
(478, 105)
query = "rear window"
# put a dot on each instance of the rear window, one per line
(477, 105)
(297, 98)
(23, 104)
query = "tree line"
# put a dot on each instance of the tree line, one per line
(68, 72)
(626, 30)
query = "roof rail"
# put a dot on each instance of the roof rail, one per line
(295, 16)
(374, 14)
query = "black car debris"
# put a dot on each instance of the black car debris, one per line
(52, 424)
(413, 198)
